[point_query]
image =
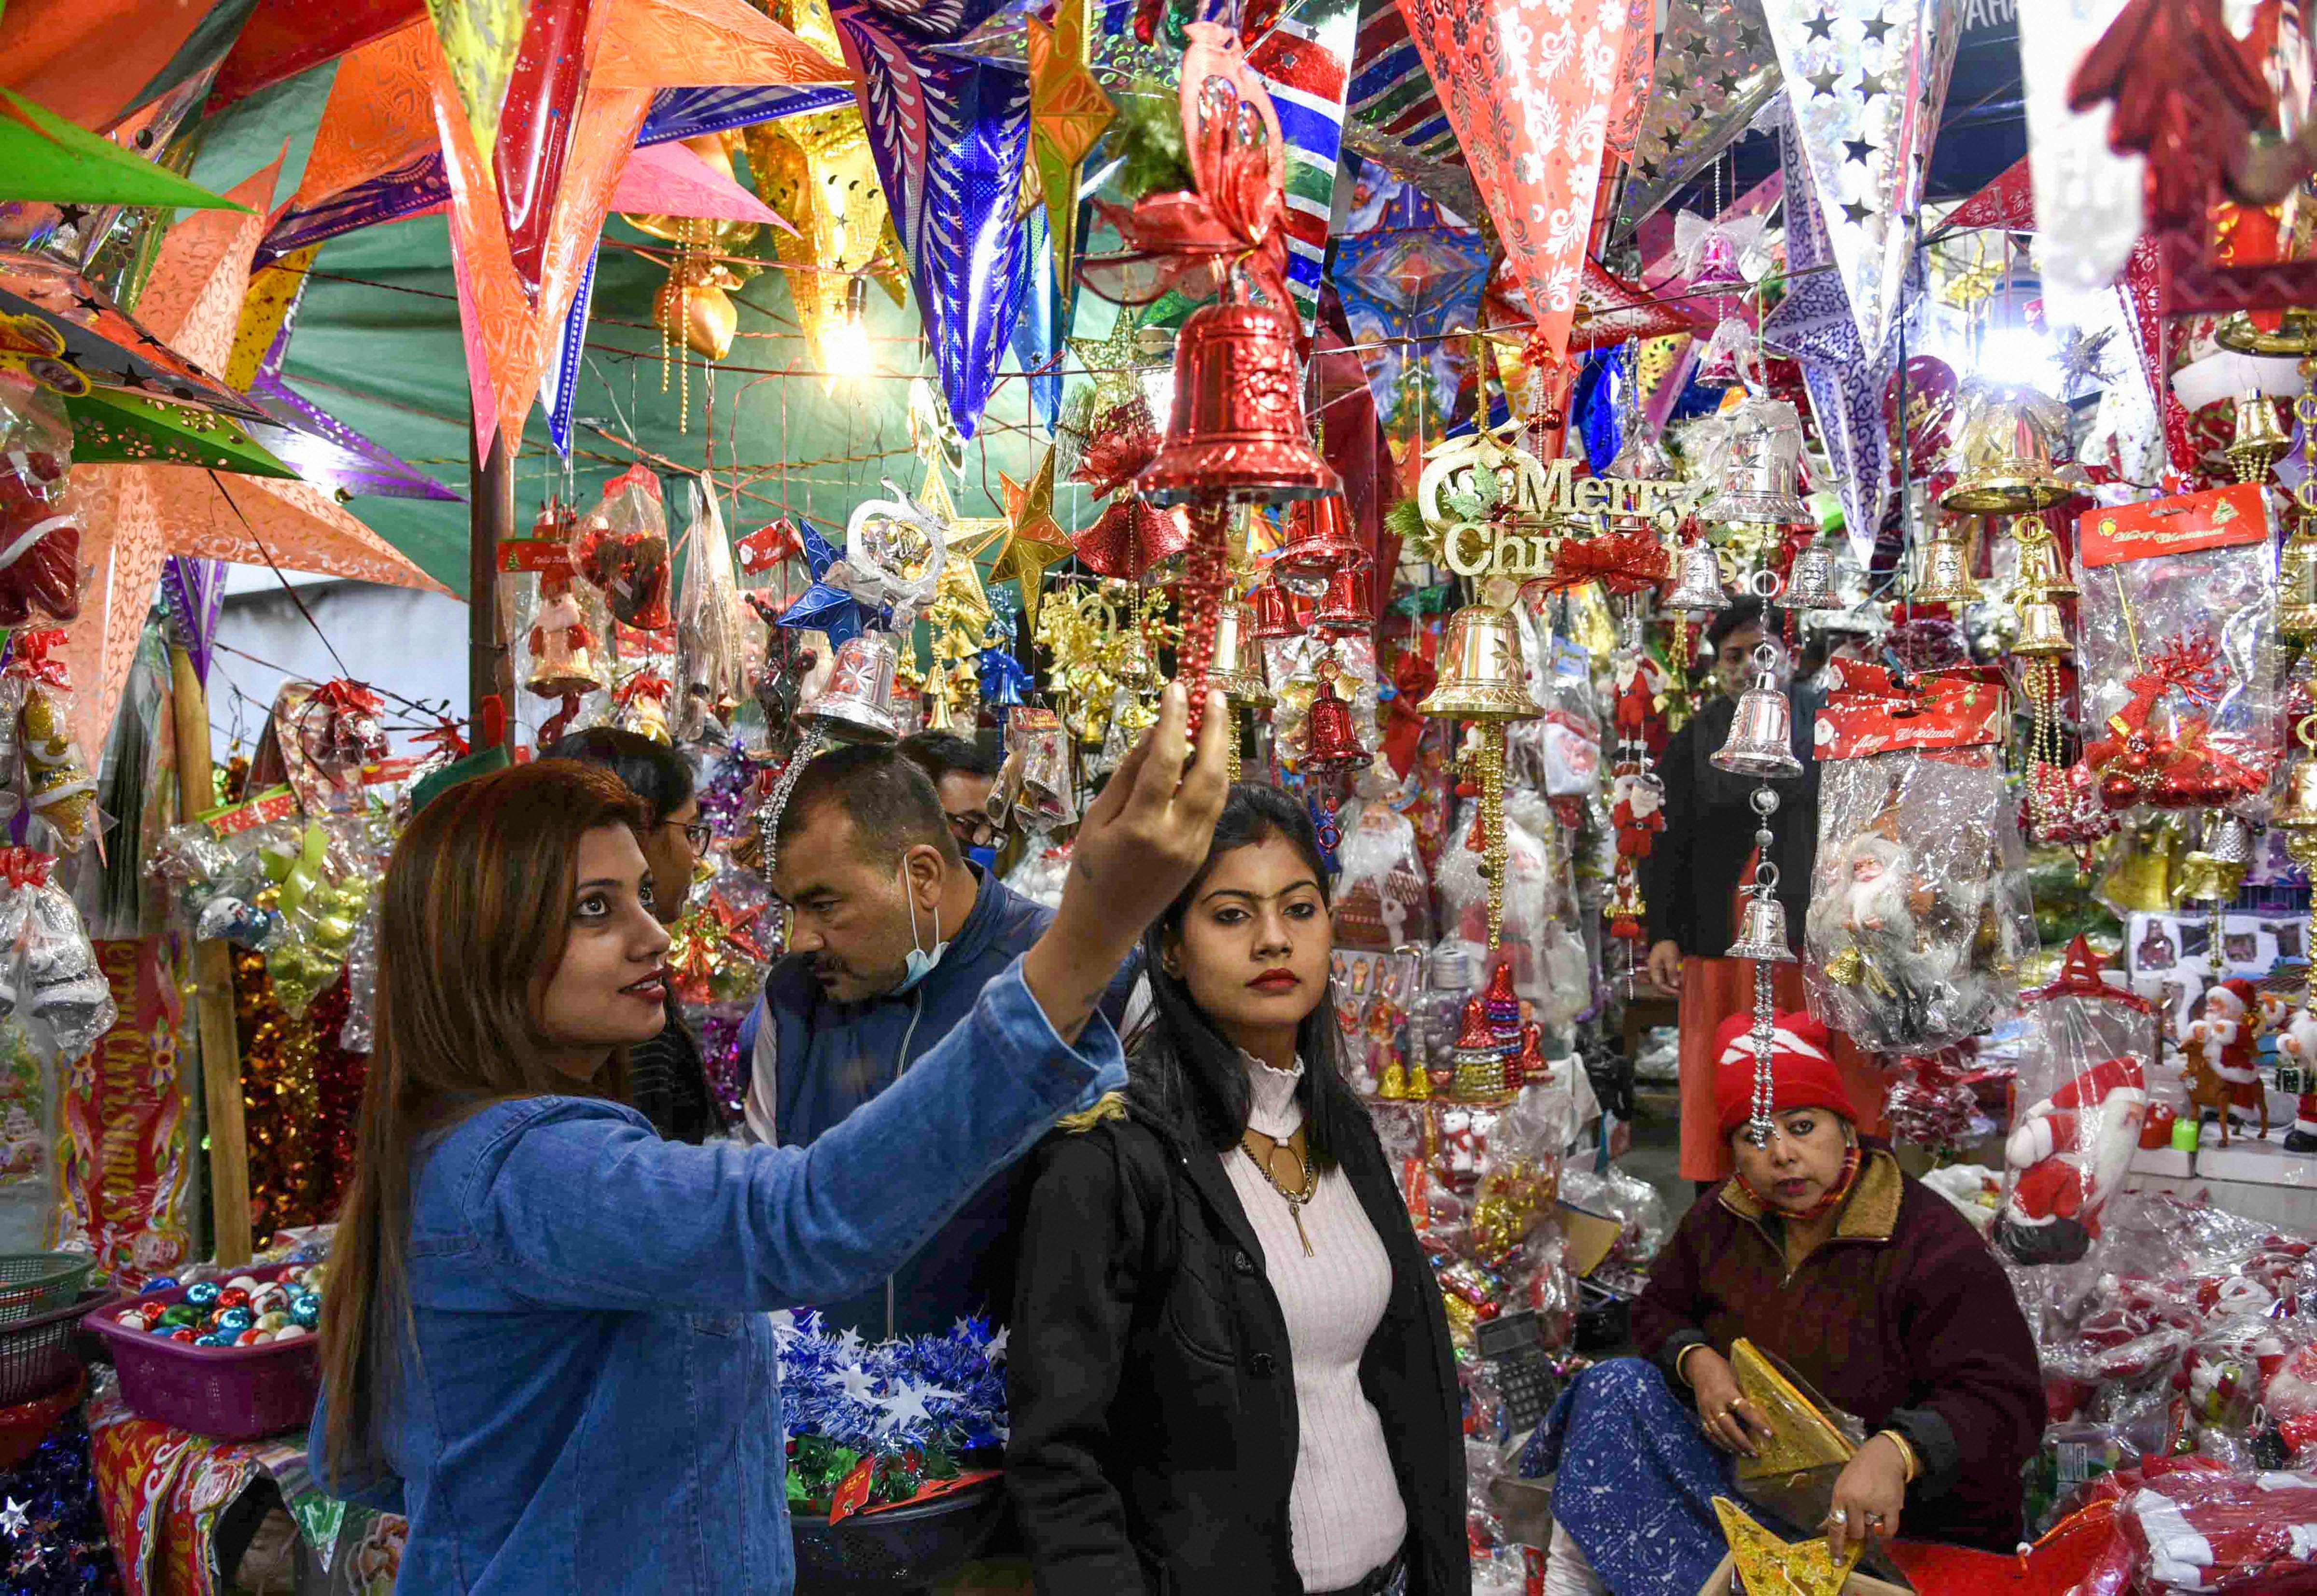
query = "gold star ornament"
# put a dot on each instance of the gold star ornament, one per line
(1038, 540)
(1768, 1567)
(1067, 113)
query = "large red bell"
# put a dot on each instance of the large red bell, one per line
(1345, 607)
(1236, 432)
(1273, 616)
(1319, 543)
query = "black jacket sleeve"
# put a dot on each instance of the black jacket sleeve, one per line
(1082, 1258)
(1664, 873)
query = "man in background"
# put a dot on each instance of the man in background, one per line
(964, 773)
(893, 935)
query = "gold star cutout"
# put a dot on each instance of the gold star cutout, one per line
(1067, 113)
(1769, 1566)
(1038, 540)
(1115, 361)
(967, 538)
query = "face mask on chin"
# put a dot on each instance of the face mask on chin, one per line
(920, 962)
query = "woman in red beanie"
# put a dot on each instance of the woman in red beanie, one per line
(1870, 1287)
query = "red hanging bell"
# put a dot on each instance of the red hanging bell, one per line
(1335, 745)
(1345, 607)
(1236, 432)
(1319, 543)
(1268, 600)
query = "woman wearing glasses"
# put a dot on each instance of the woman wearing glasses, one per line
(666, 1079)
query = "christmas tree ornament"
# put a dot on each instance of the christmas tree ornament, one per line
(1237, 667)
(1035, 539)
(1761, 474)
(2041, 566)
(1810, 583)
(1068, 112)
(1762, 929)
(1344, 606)
(1943, 574)
(1320, 545)
(1133, 539)
(1483, 679)
(2006, 437)
(1236, 431)
(1760, 742)
(857, 703)
(1699, 593)
(1480, 1058)
(1268, 604)
(2297, 810)
(2258, 441)
(1332, 748)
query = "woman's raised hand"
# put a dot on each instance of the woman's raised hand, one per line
(1140, 843)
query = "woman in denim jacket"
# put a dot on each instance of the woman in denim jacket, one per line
(544, 1340)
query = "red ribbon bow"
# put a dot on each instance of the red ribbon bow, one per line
(32, 657)
(643, 684)
(26, 867)
(347, 696)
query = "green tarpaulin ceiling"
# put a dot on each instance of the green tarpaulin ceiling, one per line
(377, 344)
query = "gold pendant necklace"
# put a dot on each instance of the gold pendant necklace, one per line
(1295, 1199)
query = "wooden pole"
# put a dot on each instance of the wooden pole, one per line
(214, 988)
(490, 496)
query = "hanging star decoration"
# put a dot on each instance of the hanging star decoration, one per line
(1067, 113)
(1115, 361)
(2082, 360)
(1770, 1566)
(823, 606)
(14, 1520)
(1037, 540)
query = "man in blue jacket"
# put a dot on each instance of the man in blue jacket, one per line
(893, 935)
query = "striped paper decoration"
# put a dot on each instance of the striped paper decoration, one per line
(1305, 62)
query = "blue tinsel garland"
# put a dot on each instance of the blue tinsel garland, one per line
(945, 1392)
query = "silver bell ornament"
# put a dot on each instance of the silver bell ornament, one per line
(1809, 584)
(1699, 593)
(1761, 476)
(1761, 733)
(1762, 929)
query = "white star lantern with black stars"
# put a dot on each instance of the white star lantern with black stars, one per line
(1866, 79)
(1714, 70)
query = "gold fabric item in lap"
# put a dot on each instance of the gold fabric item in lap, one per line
(1809, 1442)
(1769, 1566)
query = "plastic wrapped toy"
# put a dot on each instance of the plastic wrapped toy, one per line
(710, 636)
(1917, 922)
(56, 777)
(40, 524)
(2175, 652)
(621, 546)
(59, 992)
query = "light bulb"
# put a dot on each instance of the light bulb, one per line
(847, 345)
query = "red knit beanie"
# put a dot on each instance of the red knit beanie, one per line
(1802, 1070)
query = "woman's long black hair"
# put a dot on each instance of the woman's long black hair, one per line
(1183, 1074)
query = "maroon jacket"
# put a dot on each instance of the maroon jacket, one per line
(1902, 1318)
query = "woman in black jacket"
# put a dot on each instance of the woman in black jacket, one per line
(1230, 1369)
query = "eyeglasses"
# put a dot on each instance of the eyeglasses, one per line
(974, 831)
(695, 832)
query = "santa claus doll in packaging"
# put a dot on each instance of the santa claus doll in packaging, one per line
(2218, 1044)
(2067, 1156)
(2296, 1072)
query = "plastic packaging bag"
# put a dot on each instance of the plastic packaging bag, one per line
(61, 996)
(1918, 923)
(2177, 651)
(623, 549)
(2082, 1088)
(62, 788)
(39, 521)
(1382, 898)
(709, 645)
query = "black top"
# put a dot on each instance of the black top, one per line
(1152, 1389)
(1694, 865)
(669, 1083)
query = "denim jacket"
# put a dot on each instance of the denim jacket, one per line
(592, 1403)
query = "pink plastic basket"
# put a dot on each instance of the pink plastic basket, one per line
(231, 1393)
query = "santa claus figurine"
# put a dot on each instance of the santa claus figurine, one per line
(1642, 684)
(1637, 805)
(2297, 1051)
(2068, 1154)
(2219, 1046)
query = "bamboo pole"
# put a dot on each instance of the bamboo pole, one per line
(490, 668)
(214, 988)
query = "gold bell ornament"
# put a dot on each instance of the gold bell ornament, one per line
(2248, 383)
(2041, 564)
(2144, 865)
(2005, 440)
(2296, 334)
(2296, 573)
(2212, 873)
(2297, 811)
(1484, 680)
(1237, 668)
(1944, 576)
(2043, 630)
